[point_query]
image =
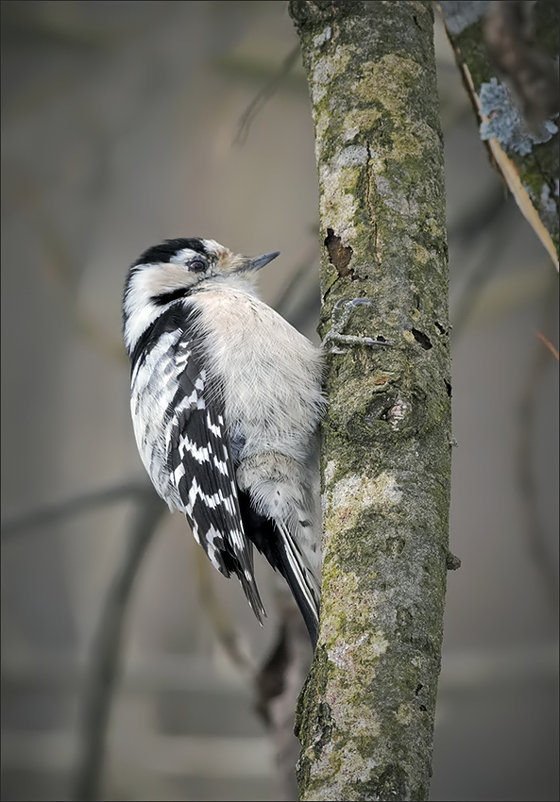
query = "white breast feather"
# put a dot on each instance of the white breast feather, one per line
(272, 393)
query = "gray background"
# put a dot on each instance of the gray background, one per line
(118, 127)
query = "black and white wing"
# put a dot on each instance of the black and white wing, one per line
(191, 465)
(199, 461)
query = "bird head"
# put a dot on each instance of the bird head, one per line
(175, 269)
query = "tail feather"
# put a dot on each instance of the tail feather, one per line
(252, 594)
(281, 550)
(301, 581)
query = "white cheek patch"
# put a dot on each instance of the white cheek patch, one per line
(183, 256)
(148, 281)
(213, 247)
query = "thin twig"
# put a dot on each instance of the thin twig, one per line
(61, 264)
(527, 482)
(104, 667)
(228, 637)
(293, 288)
(548, 344)
(52, 513)
(277, 686)
(479, 217)
(297, 302)
(277, 683)
(264, 94)
(482, 271)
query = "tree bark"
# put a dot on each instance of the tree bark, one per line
(366, 714)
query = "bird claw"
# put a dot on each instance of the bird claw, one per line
(336, 336)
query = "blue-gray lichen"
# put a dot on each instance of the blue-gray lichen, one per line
(459, 14)
(527, 161)
(550, 200)
(505, 123)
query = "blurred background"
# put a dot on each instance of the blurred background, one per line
(122, 124)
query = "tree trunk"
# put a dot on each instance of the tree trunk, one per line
(366, 714)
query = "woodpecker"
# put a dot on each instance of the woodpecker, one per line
(226, 400)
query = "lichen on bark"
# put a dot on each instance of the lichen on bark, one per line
(531, 173)
(365, 717)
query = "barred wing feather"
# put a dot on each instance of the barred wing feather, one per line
(203, 473)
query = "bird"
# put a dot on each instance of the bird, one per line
(226, 401)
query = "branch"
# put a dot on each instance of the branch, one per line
(277, 686)
(262, 96)
(297, 303)
(548, 344)
(106, 652)
(52, 513)
(525, 151)
(103, 668)
(527, 482)
(228, 637)
(61, 263)
(483, 271)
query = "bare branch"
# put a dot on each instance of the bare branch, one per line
(277, 687)
(106, 652)
(527, 158)
(527, 482)
(483, 270)
(548, 344)
(61, 264)
(228, 637)
(262, 96)
(52, 513)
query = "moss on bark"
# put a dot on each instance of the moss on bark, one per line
(366, 715)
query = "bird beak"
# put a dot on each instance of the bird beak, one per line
(260, 261)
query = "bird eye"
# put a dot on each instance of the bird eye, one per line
(198, 265)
